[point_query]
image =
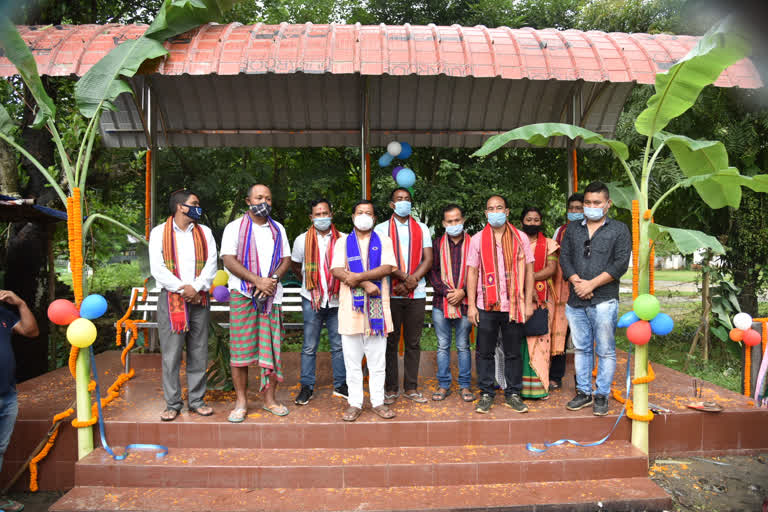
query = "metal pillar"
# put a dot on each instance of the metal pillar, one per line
(574, 117)
(365, 136)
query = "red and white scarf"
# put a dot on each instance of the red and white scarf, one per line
(313, 279)
(415, 239)
(510, 245)
(540, 253)
(446, 274)
(177, 306)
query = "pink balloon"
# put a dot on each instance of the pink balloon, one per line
(751, 337)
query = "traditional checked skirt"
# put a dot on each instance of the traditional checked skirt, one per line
(254, 339)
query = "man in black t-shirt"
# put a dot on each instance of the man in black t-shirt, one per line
(24, 323)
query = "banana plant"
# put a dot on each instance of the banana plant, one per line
(95, 91)
(704, 164)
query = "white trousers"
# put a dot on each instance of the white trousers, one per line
(374, 348)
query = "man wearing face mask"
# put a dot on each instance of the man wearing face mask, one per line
(256, 252)
(594, 254)
(311, 257)
(361, 261)
(182, 258)
(413, 252)
(500, 300)
(449, 303)
(560, 332)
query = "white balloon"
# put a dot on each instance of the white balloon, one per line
(394, 148)
(742, 321)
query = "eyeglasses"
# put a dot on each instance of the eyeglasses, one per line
(588, 248)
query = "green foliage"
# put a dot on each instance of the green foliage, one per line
(109, 278)
(219, 372)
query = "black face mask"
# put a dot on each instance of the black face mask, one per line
(531, 229)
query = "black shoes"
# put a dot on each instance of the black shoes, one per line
(305, 395)
(580, 401)
(516, 403)
(484, 404)
(600, 407)
(341, 391)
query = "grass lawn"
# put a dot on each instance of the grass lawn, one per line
(681, 276)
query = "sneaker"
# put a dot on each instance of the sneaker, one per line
(601, 405)
(305, 395)
(516, 403)
(485, 403)
(341, 391)
(580, 401)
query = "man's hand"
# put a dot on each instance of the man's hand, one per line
(11, 298)
(473, 315)
(265, 285)
(188, 292)
(400, 290)
(352, 279)
(198, 299)
(411, 282)
(371, 289)
(455, 296)
(583, 288)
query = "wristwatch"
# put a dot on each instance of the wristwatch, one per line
(275, 277)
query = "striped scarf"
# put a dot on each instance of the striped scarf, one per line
(510, 246)
(371, 306)
(540, 253)
(446, 274)
(414, 248)
(313, 279)
(177, 306)
(248, 256)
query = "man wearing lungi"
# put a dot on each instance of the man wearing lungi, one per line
(182, 259)
(256, 253)
(361, 261)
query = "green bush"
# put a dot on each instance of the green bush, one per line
(109, 278)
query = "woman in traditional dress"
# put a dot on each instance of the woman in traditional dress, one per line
(536, 350)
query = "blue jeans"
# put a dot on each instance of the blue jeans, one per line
(9, 408)
(313, 324)
(443, 331)
(594, 325)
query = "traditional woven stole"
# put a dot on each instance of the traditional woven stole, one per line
(414, 248)
(248, 256)
(510, 245)
(540, 253)
(560, 233)
(177, 306)
(446, 274)
(314, 282)
(371, 307)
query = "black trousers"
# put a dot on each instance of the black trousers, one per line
(408, 314)
(491, 322)
(557, 365)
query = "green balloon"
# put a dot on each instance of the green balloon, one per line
(646, 306)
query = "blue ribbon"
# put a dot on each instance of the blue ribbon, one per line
(162, 451)
(547, 446)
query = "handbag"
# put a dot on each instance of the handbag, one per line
(538, 324)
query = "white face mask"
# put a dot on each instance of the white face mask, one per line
(363, 222)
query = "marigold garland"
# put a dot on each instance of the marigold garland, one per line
(635, 248)
(628, 401)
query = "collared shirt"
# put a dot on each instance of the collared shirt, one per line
(420, 292)
(441, 289)
(7, 360)
(298, 256)
(185, 251)
(473, 260)
(609, 251)
(261, 235)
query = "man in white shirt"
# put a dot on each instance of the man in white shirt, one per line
(413, 251)
(182, 258)
(311, 257)
(256, 253)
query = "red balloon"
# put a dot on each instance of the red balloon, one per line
(639, 332)
(62, 312)
(751, 337)
(736, 334)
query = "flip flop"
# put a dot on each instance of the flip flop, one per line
(237, 415)
(467, 395)
(384, 412)
(352, 414)
(441, 394)
(167, 417)
(416, 397)
(203, 410)
(8, 505)
(390, 398)
(277, 410)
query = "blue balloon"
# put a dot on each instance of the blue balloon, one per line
(405, 151)
(406, 178)
(93, 306)
(627, 319)
(662, 324)
(385, 160)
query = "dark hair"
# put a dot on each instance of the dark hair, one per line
(364, 201)
(576, 197)
(452, 206)
(597, 186)
(250, 189)
(179, 197)
(528, 209)
(506, 203)
(318, 201)
(400, 188)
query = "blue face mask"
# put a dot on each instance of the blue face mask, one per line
(497, 219)
(454, 230)
(593, 214)
(403, 208)
(322, 223)
(194, 212)
(575, 216)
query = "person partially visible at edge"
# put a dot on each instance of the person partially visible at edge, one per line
(361, 261)
(593, 256)
(24, 324)
(256, 252)
(412, 244)
(449, 303)
(500, 300)
(560, 331)
(311, 258)
(182, 259)
(536, 350)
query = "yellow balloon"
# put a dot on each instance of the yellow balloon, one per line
(81, 333)
(221, 279)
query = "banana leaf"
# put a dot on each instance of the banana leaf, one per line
(687, 240)
(621, 195)
(7, 125)
(178, 16)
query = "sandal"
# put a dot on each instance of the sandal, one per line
(8, 505)
(384, 412)
(203, 410)
(390, 397)
(441, 394)
(416, 397)
(237, 415)
(169, 414)
(554, 385)
(467, 395)
(277, 410)
(352, 414)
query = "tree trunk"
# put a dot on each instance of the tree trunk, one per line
(9, 177)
